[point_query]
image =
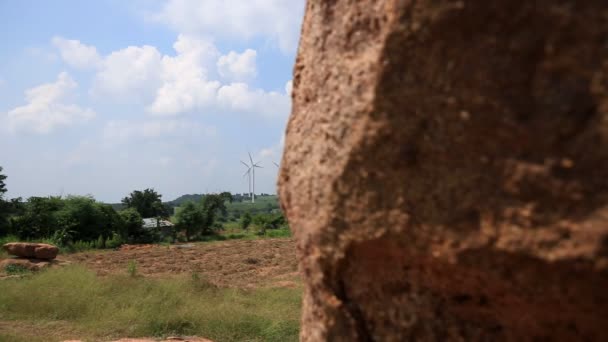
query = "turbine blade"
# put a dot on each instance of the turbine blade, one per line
(276, 164)
(242, 162)
(250, 158)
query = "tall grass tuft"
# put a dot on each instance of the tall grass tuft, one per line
(132, 269)
(123, 306)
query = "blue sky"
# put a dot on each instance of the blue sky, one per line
(106, 97)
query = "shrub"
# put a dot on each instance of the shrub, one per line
(63, 237)
(114, 242)
(132, 268)
(101, 242)
(14, 269)
(81, 246)
(246, 220)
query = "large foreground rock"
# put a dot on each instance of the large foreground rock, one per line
(32, 250)
(446, 170)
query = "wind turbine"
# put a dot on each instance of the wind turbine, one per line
(247, 173)
(253, 166)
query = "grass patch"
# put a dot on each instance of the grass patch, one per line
(232, 232)
(15, 269)
(278, 233)
(121, 306)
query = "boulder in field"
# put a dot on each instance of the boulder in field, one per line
(32, 250)
(26, 264)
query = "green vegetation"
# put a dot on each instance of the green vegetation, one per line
(148, 203)
(246, 220)
(264, 204)
(132, 268)
(92, 308)
(199, 219)
(78, 223)
(15, 269)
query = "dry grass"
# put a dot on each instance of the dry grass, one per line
(234, 263)
(74, 302)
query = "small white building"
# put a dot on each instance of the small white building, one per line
(153, 222)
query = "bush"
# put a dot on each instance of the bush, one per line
(101, 242)
(114, 242)
(81, 246)
(246, 220)
(269, 221)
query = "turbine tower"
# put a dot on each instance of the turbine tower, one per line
(247, 173)
(253, 166)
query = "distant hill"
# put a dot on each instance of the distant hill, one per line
(185, 198)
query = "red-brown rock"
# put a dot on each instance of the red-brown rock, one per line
(446, 170)
(32, 250)
(27, 264)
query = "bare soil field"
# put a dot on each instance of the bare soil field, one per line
(234, 263)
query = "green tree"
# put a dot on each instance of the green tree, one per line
(87, 218)
(5, 207)
(227, 196)
(75, 218)
(148, 203)
(246, 220)
(132, 225)
(2, 184)
(39, 218)
(212, 205)
(190, 218)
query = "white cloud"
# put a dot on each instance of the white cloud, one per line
(46, 110)
(239, 97)
(185, 83)
(120, 131)
(76, 54)
(276, 20)
(289, 87)
(131, 74)
(169, 85)
(273, 152)
(238, 67)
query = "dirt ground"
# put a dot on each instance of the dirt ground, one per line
(234, 263)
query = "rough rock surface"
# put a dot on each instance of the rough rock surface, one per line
(28, 264)
(32, 250)
(446, 170)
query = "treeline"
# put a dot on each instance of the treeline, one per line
(83, 221)
(236, 198)
(77, 219)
